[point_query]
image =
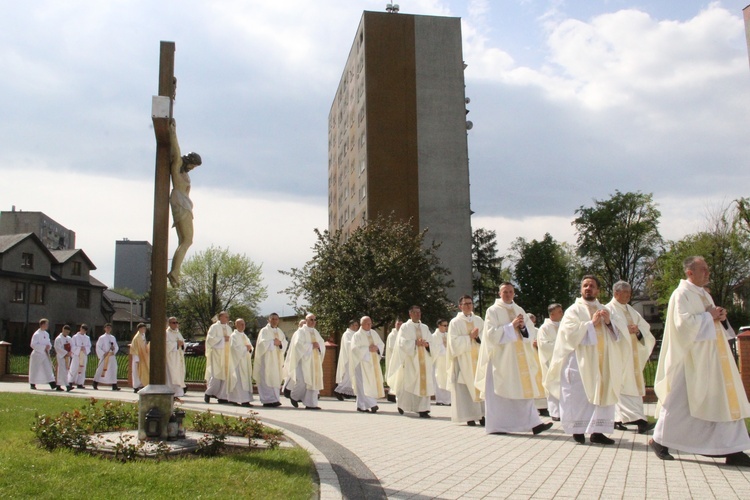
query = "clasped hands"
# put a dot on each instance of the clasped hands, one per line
(599, 316)
(718, 313)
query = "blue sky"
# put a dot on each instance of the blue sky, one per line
(571, 100)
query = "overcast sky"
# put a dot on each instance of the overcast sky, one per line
(570, 101)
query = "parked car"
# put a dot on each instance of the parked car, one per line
(195, 348)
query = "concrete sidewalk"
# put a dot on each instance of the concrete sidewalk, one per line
(386, 454)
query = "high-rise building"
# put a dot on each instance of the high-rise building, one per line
(54, 235)
(397, 134)
(133, 265)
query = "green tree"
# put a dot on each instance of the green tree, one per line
(486, 268)
(379, 270)
(726, 248)
(619, 238)
(542, 274)
(212, 281)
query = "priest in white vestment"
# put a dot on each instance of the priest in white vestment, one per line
(106, 350)
(464, 338)
(218, 359)
(343, 377)
(586, 370)
(366, 350)
(64, 358)
(390, 343)
(638, 342)
(240, 389)
(139, 354)
(269, 362)
(410, 370)
(440, 364)
(175, 347)
(545, 344)
(702, 401)
(508, 373)
(305, 365)
(40, 364)
(80, 349)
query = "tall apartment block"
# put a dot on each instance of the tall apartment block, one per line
(54, 235)
(397, 134)
(133, 265)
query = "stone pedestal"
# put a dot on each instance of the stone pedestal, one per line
(160, 396)
(743, 349)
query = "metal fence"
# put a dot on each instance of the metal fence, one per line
(19, 365)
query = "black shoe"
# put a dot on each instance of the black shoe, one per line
(276, 404)
(481, 421)
(644, 426)
(661, 451)
(600, 438)
(580, 438)
(58, 388)
(69, 388)
(53, 386)
(339, 396)
(247, 405)
(400, 411)
(115, 388)
(471, 423)
(374, 409)
(269, 405)
(620, 427)
(424, 414)
(136, 389)
(361, 410)
(541, 428)
(81, 386)
(313, 408)
(544, 412)
(295, 403)
(391, 398)
(33, 387)
(206, 398)
(288, 393)
(555, 419)
(739, 459)
(95, 385)
(499, 433)
(222, 401)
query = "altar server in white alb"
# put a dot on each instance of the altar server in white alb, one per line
(440, 364)
(305, 365)
(464, 339)
(106, 349)
(545, 343)
(586, 370)
(218, 359)
(410, 370)
(366, 350)
(390, 343)
(80, 349)
(703, 402)
(343, 377)
(175, 347)
(240, 390)
(269, 362)
(637, 345)
(64, 357)
(508, 373)
(40, 365)
(139, 355)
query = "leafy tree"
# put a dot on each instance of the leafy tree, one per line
(726, 249)
(543, 274)
(379, 270)
(486, 268)
(619, 237)
(212, 281)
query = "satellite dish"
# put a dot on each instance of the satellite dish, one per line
(469, 125)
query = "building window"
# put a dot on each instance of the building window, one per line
(27, 260)
(76, 268)
(362, 165)
(19, 294)
(362, 192)
(36, 294)
(83, 299)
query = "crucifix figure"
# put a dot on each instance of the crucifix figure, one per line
(179, 201)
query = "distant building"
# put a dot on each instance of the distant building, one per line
(397, 134)
(133, 265)
(36, 282)
(53, 235)
(127, 314)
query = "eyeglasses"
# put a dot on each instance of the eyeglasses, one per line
(174, 322)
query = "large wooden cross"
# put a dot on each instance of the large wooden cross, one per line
(160, 250)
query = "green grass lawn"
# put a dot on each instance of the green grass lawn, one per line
(28, 471)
